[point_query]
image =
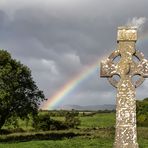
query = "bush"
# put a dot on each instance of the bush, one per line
(71, 119)
(142, 112)
(58, 125)
(142, 120)
(12, 122)
(42, 122)
(45, 123)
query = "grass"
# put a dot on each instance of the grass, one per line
(98, 120)
(66, 143)
(101, 120)
(78, 142)
(99, 134)
(58, 118)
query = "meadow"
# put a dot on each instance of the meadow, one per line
(95, 131)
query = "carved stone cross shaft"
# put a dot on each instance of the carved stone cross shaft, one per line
(131, 64)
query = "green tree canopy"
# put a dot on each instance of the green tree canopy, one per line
(142, 112)
(19, 94)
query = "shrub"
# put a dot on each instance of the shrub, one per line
(58, 125)
(71, 119)
(12, 122)
(42, 122)
(142, 112)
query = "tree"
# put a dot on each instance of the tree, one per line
(19, 95)
(142, 112)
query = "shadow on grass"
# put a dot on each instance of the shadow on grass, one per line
(23, 137)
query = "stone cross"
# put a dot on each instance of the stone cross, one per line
(128, 68)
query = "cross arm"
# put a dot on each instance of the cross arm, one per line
(142, 68)
(108, 68)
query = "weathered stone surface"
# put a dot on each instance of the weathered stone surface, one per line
(127, 33)
(126, 68)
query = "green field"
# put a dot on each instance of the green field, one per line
(98, 120)
(69, 143)
(98, 133)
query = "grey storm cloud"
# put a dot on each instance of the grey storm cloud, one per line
(58, 38)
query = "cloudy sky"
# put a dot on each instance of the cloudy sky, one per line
(57, 39)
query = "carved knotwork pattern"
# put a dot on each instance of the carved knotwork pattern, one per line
(109, 68)
(128, 134)
(126, 113)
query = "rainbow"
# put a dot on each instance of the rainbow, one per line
(70, 86)
(74, 82)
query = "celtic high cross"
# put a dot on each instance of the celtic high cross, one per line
(131, 64)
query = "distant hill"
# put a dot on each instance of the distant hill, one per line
(88, 107)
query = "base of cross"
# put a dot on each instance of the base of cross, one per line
(120, 145)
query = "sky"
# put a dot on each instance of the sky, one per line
(59, 39)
